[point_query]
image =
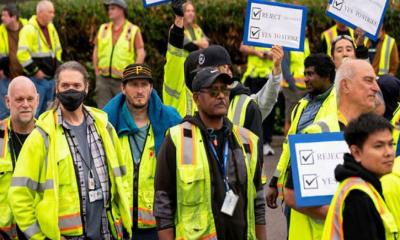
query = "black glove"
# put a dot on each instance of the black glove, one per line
(177, 7)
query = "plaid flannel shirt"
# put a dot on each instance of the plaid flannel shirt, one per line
(99, 160)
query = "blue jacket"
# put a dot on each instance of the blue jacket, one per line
(161, 117)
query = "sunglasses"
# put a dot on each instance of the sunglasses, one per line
(340, 37)
(214, 92)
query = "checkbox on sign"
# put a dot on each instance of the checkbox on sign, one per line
(256, 13)
(310, 181)
(306, 157)
(255, 32)
(338, 4)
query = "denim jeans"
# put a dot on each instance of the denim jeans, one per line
(45, 88)
(4, 112)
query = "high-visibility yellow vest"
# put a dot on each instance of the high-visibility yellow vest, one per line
(33, 45)
(194, 217)
(391, 188)
(330, 35)
(333, 228)
(297, 66)
(237, 115)
(386, 50)
(112, 60)
(198, 34)
(325, 110)
(396, 133)
(4, 47)
(7, 222)
(44, 193)
(258, 67)
(147, 168)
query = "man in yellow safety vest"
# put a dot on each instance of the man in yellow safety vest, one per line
(118, 44)
(69, 177)
(22, 99)
(141, 121)
(208, 177)
(358, 209)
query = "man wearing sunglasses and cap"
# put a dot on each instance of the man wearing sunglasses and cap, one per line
(208, 177)
(141, 121)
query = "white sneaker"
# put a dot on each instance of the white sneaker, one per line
(267, 149)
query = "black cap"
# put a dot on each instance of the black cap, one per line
(191, 67)
(207, 76)
(213, 56)
(137, 71)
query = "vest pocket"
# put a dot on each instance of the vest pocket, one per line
(190, 186)
(194, 225)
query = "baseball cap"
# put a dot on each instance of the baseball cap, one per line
(213, 56)
(207, 76)
(137, 71)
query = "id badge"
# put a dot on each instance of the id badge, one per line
(230, 201)
(95, 195)
(91, 183)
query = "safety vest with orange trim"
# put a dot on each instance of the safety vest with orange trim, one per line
(194, 182)
(333, 228)
(147, 168)
(7, 221)
(330, 35)
(112, 59)
(297, 66)
(44, 192)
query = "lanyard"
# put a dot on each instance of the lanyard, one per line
(223, 166)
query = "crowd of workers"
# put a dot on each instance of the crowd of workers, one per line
(189, 165)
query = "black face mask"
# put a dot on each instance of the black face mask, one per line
(71, 99)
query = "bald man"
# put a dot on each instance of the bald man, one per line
(22, 100)
(40, 63)
(356, 89)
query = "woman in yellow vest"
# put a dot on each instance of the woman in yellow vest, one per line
(358, 209)
(194, 36)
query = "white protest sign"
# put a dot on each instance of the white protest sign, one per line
(151, 3)
(271, 23)
(314, 158)
(365, 14)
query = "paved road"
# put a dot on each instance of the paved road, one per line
(276, 223)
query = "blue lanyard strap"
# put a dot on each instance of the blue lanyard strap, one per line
(223, 166)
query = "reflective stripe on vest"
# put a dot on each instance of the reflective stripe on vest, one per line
(237, 109)
(69, 222)
(145, 216)
(333, 228)
(32, 230)
(384, 62)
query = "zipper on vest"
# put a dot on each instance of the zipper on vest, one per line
(80, 200)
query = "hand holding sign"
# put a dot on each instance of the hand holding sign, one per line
(271, 23)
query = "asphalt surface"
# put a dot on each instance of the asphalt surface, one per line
(276, 223)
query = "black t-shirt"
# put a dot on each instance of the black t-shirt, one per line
(17, 140)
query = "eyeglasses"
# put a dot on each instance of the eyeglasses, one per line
(214, 92)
